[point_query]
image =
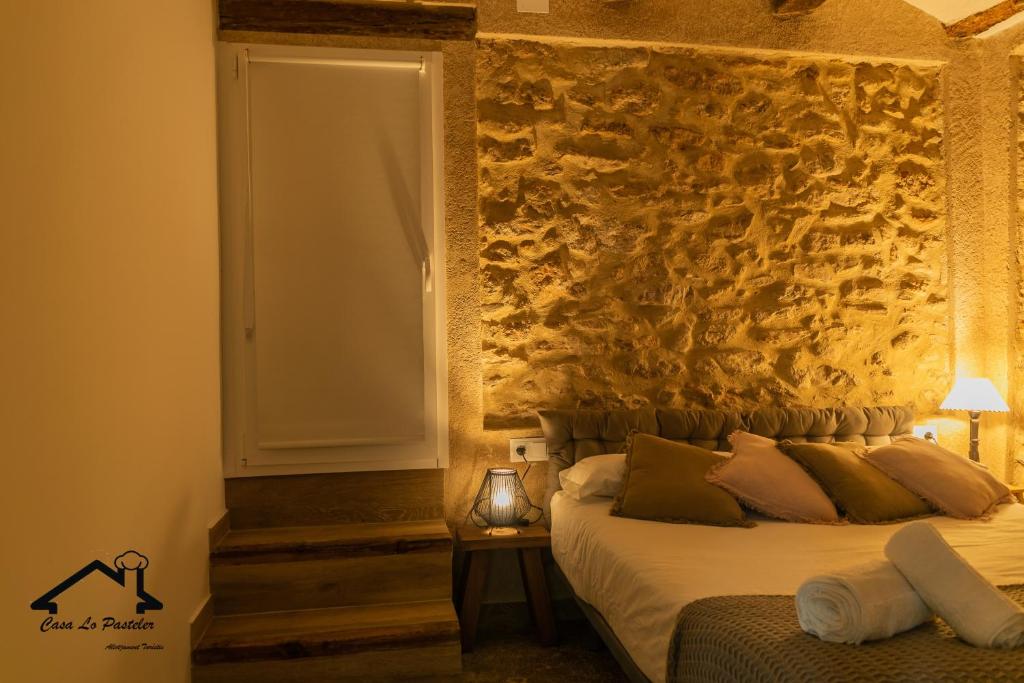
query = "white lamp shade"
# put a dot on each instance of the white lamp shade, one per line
(974, 394)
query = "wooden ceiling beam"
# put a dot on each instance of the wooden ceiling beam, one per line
(785, 7)
(409, 19)
(980, 22)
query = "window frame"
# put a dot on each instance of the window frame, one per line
(242, 455)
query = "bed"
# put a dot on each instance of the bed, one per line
(643, 584)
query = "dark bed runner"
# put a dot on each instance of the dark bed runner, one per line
(756, 638)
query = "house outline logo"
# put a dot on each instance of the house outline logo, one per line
(128, 561)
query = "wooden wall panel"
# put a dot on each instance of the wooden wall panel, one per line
(980, 22)
(441, 21)
(311, 499)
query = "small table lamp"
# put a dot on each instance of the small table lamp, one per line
(974, 394)
(502, 503)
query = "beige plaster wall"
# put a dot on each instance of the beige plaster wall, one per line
(984, 233)
(1016, 361)
(109, 356)
(856, 27)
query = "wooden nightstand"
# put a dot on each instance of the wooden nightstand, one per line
(1018, 491)
(528, 544)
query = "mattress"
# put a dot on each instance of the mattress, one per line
(640, 574)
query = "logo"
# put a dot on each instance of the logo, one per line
(126, 564)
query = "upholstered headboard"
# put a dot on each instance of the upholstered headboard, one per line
(572, 435)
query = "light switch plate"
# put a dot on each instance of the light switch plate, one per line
(536, 449)
(532, 6)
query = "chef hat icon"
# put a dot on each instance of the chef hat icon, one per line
(130, 559)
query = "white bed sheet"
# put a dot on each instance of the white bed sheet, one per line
(640, 574)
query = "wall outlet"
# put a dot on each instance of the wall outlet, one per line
(535, 449)
(532, 6)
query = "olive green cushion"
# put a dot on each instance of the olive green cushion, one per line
(665, 482)
(864, 492)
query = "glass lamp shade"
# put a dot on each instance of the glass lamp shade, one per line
(501, 500)
(974, 394)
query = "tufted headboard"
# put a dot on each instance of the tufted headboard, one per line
(572, 435)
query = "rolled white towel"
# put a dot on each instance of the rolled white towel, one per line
(979, 612)
(866, 602)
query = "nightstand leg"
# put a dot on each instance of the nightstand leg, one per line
(537, 594)
(475, 573)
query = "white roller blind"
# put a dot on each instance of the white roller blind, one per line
(337, 253)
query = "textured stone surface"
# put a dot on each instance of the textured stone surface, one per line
(1016, 371)
(678, 227)
(795, 6)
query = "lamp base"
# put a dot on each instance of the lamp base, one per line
(502, 531)
(975, 420)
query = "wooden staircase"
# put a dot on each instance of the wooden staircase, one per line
(343, 601)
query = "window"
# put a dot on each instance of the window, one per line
(333, 260)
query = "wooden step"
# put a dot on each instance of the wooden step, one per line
(347, 497)
(297, 568)
(274, 544)
(367, 643)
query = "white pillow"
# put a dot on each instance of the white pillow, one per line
(598, 475)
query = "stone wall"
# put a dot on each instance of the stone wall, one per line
(682, 227)
(1015, 381)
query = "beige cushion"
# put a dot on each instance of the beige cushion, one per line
(665, 482)
(950, 482)
(865, 493)
(598, 475)
(761, 476)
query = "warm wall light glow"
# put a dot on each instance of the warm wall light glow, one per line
(502, 500)
(501, 506)
(974, 394)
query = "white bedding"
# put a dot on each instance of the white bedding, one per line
(640, 574)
